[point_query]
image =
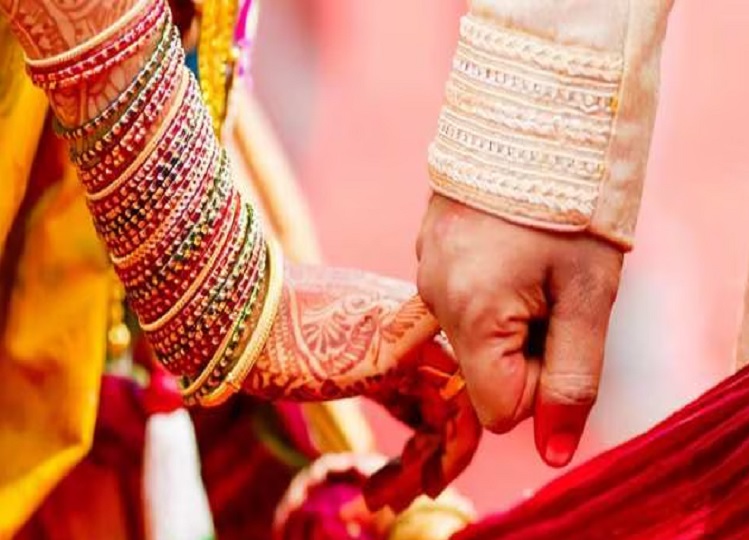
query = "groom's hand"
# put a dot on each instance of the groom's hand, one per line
(527, 313)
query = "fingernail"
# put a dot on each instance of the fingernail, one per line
(559, 449)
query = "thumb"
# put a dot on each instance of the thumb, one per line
(408, 330)
(499, 378)
(570, 372)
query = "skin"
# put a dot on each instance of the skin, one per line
(338, 333)
(344, 333)
(527, 313)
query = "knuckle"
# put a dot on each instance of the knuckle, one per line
(569, 388)
(497, 421)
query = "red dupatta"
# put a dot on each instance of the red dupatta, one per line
(688, 477)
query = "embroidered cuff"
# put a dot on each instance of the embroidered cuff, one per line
(525, 127)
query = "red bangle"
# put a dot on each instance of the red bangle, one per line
(192, 351)
(134, 129)
(192, 327)
(176, 245)
(199, 273)
(91, 148)
(122, 217)
(125, 230)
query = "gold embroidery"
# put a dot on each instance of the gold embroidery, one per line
(216, 55)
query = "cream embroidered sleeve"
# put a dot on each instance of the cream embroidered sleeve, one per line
(549, 110)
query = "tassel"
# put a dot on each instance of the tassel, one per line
(175, 503)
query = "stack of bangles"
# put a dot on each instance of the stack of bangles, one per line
(199, 274)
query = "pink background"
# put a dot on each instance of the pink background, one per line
(354, 89)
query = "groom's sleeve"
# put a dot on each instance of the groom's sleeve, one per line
(549, 111)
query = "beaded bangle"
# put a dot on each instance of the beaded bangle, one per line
(157, 291)
(128, 135)
(169, 238)
(107, 175)
(190, 348)
(182, 90)
(181, 281)
(176, 249)
(105, 178)
(224, 353)
(128, 214)
(150, 326)
(223, 356)
(130, 249)
(232, 383)
(238, 343)
(158, 296)
(192, 344)
(144, 180)
(163, 297)
(99, 133)
(104, 119)
(199, 325)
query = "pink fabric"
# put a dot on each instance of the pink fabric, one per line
(686, 478)
(319, 517)
(295, 427)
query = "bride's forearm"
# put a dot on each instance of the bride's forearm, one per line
(190, 251)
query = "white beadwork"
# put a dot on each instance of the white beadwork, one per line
(515, 184)
(561, 125)
(526, 122)
(547, 55)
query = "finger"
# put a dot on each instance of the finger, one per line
(571, 369)
(460, 440)
(404, 336)
(500, 380)
(399, 482)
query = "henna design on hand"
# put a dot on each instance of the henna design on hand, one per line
(342, 333)
(337, 334)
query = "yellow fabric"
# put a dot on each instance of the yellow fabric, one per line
(53, 344)
(19, 102)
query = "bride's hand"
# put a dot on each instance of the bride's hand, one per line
(338, 333)
(341, 333)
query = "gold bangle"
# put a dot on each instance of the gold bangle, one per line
(200, 278)
(91, 43)
(217, 22)
(201, 379)
(179, 98)
(232, 383)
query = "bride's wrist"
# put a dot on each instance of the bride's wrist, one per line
(98, 61)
